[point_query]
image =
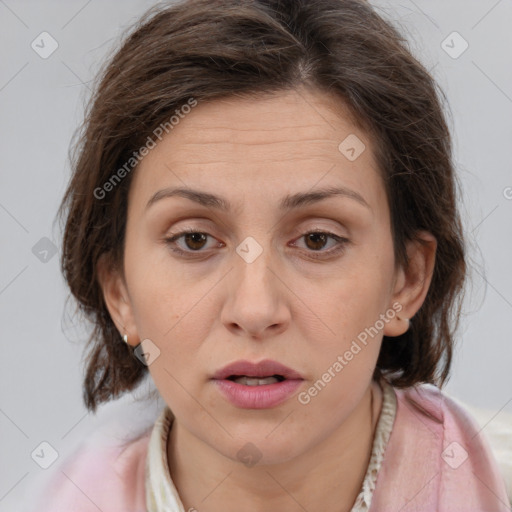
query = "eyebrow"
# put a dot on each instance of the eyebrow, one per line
(289, 202)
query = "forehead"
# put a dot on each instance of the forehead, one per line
(288, 141)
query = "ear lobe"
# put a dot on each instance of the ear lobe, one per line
(116, 297)
(412, 284)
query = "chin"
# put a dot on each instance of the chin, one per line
(258, 449)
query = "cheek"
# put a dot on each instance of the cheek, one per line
(356, 291)
(156, 291)
(175, 315)
(347, 309)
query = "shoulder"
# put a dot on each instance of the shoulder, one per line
(438, 454)
(429, 403)
(447, 422)
(101, 474)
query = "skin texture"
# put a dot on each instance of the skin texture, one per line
(214, 308)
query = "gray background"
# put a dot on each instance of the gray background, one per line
(41, 103)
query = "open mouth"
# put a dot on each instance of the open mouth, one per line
(257, 385)
(256, 381)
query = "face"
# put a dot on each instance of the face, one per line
(265, 274)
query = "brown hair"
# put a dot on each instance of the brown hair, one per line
(209, 49)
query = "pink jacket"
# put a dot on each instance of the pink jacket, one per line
(435, 461)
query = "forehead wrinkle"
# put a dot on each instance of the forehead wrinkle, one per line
(270, 143)
(212, 132)
(216, 128)
(259, 138)
(324, 150)
(204, 163)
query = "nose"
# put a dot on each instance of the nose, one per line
(256, 303)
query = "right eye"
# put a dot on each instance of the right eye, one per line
(194, 241)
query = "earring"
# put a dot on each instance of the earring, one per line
(406, 320)
(125, 338)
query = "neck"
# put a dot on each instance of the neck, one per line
(327, 477)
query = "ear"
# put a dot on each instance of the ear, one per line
(411, 285)
(117, 300)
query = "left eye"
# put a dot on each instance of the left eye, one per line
(314, 240)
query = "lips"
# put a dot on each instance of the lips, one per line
(261, 385)
(261, 370)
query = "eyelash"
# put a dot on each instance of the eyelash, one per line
(342, 242)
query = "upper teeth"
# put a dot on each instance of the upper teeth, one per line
(255, 381)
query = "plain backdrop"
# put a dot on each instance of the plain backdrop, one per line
(41, 102)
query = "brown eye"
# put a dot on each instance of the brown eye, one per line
(316, 241)
(195, 241)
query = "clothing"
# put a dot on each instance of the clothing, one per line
(435, 460)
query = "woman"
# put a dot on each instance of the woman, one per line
(263, 207)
